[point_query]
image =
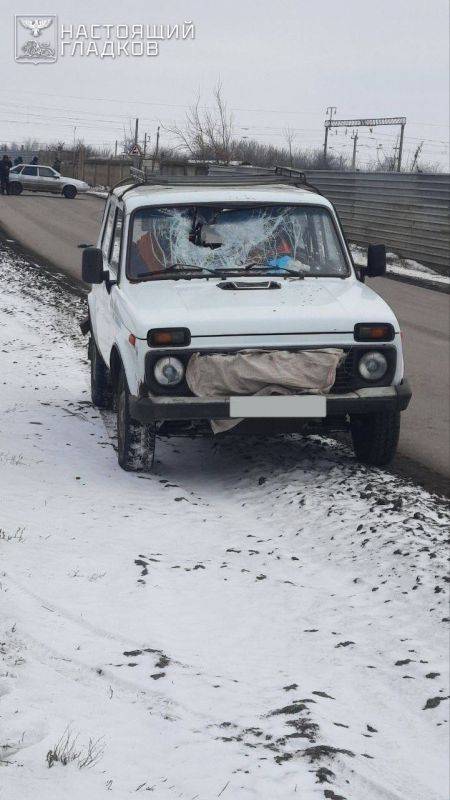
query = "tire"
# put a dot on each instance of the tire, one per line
(375, 437)
(135, 440)
(69, 192)
(15, 188)
(101, 391)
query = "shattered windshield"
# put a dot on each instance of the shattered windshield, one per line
(204, 240)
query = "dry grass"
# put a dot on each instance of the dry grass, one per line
(17, 536)
(67, 751)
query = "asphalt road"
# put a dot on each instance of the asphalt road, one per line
(51, 227)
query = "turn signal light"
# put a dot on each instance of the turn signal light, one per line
(374, 332)
(169, 337)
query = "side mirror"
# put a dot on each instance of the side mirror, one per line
(92, 265)
(376, 260)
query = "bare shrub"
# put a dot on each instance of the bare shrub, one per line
(17, 536)
(67, 750)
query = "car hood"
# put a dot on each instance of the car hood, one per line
(312, 305)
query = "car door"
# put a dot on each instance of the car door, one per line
(48, 180)
(111, 249)
(29, 177)
(14, 173)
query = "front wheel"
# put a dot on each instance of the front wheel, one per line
(135, 440)
(15, 188)
(69, 192)
(375, 437)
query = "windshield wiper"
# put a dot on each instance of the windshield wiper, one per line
(179, 267)
(272, 270)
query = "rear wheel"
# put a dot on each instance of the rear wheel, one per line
(69, 192)
(375, 437)
(15, 187)
(101, 391)
(135, 440)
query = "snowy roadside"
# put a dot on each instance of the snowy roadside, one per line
(404, 268)
(258, 619)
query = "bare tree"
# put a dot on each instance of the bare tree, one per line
(128, 138)
(289, 136)
(207, 133)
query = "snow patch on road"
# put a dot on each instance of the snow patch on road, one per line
(259, 618)
(401, 266)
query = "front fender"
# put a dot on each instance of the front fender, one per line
(125, 353)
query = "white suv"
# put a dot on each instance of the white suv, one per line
(203, 286)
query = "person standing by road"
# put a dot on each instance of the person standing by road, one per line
(57, 164)
(18, 160)
(5, 166)
(34, 160)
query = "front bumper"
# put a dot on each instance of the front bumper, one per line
(359, 401)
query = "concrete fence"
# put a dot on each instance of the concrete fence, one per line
(98, 171)
(408, 212)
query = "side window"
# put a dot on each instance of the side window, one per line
(106, 239)
(117, 241)
(30, 171)
(46, 172)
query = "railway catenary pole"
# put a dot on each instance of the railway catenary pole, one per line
(367, 122)
(330, 110)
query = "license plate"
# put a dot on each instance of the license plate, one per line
(285, 406)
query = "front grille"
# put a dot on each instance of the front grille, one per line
(347, 376)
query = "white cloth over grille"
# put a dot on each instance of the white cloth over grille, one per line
(263, 372)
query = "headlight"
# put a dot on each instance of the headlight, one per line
(169, 371)
(372, 366)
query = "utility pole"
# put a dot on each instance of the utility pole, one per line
(155, 154)
(115, 149)
(145, 144)
(379, 151)
(136, 130)
(394, 160)
(330, 110)
(355, 144)
(400, 147)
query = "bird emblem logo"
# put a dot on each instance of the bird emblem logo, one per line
(36, 26)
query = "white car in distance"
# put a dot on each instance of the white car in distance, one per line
(233, 300)
(40, 178)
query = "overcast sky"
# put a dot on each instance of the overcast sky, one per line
(281, 64)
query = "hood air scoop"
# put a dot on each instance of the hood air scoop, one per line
(248, 285)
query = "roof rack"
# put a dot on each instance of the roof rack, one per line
(218, 175)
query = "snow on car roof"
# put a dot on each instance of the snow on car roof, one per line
(143, 194)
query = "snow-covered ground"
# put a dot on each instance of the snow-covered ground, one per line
(258, 619)
(406, 267)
